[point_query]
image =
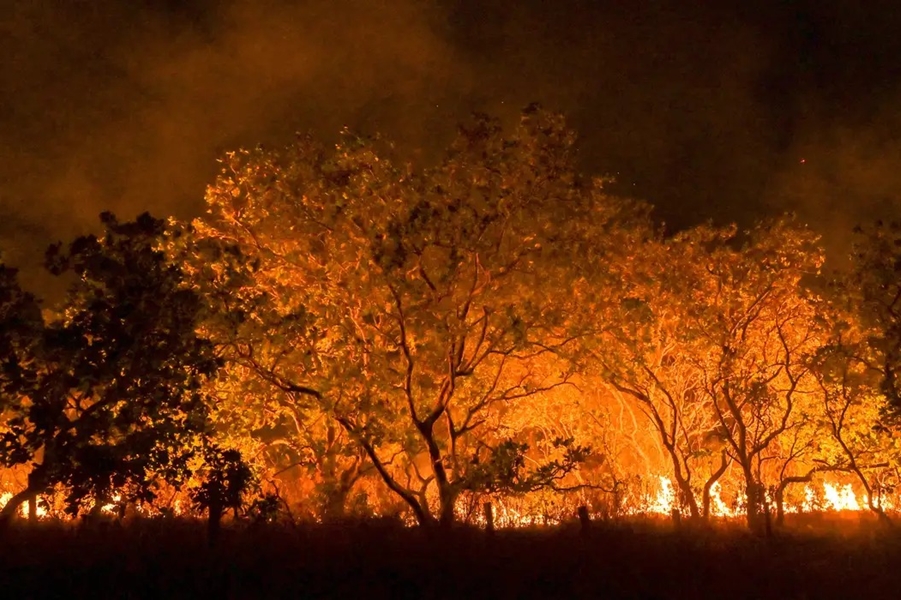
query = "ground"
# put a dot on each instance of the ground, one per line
(172, 559)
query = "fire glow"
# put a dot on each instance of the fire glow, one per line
(823, 497)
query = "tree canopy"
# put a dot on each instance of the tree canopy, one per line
(351, 334)
(114, 396)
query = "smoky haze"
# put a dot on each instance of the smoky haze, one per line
(706, 113)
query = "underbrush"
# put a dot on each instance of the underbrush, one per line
(170, 558)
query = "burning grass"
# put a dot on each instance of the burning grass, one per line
(841, 555)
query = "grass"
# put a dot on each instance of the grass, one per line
(642, 559)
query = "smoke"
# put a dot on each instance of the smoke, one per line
(125, 108)
(840, 177)
(124, 105)
(842, 150)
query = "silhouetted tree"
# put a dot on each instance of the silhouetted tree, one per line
(117, 393)
(858, 366)
(21, 327)
(226, 477)
(873, 288)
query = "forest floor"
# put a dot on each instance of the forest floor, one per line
(813, 558)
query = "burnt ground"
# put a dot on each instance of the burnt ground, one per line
(642, 560)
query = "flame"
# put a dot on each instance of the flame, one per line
(111, 507)
(717, 507)
(840, 498)
(40, 510)
(665, 500)
(825, 496)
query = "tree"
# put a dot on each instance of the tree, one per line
(649, 355)
(750, 310)
(853, 412)
(857, 367)
(21, 326)
(873, 291)
(226, 477)
(117, 397)
(408, 306)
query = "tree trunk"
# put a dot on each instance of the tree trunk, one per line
(752, 504)
(11, 510)
(32, 508)
(421, 513)
(214, 522)
(686, 495)
(337, 491)
(447, 495)
(448, 501)
(708, 485)
(780, 493)
(878, 510)
(334, 507)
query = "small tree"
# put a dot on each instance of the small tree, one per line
(225, 479)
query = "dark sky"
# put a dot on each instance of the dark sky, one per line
(707, 112)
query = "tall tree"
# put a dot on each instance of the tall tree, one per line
(409, 306)
(873, 290)
(750, 310)
(858, 365)
(21, 326)
(648, 356)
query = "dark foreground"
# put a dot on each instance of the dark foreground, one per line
(171, 559)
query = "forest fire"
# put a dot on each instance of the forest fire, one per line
(824, 497)
(369, 341)
(340, 337)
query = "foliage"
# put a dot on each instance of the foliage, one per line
(874, 293)
(20, 327)
(377, 337)
(225, 478)
(409, 307)
(117, 397)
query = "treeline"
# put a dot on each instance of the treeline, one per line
(345, 334)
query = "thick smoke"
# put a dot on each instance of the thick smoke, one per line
(121, 107)
(705, 112)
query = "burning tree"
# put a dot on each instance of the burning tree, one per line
(485, 326)
(648, 356)
(759, 331)
(857, 367)
(408, 307)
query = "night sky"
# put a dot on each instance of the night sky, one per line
(726, 112)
